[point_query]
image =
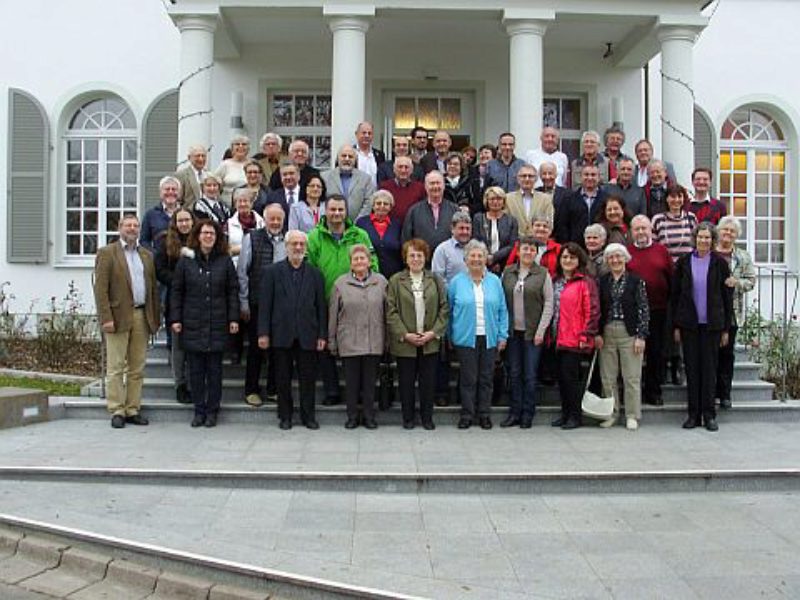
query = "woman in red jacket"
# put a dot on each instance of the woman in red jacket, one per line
(575, 323)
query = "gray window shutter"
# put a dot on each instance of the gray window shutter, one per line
(28, 178)
(160, 145)
(703, 141)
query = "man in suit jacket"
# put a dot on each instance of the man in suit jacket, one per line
(548, 176)
(299, 154)
(582, 206)
(289, 193)
(527, 202)
(126, 296)
(437, 160)
(191, 176)
(352, 183)
(401, 148)
(369, 157)
(293, 321)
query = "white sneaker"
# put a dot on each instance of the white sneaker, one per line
(608, 422)
(253, 399)
(632, 424)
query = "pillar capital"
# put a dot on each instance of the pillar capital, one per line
(349, 23)
(516, 27)
(678, 33)
(206, 23)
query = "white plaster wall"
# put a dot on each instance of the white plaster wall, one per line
(55, 51)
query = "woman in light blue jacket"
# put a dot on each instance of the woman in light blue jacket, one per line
(478, 330)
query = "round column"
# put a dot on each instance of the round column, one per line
(347, 78)
(197, 61)
(677, 99)
(525, 81)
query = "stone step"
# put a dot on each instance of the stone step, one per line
(335, 416)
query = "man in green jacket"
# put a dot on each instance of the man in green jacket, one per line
(330, 241)
(329, 246)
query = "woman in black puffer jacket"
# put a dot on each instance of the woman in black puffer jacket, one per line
(205, 311)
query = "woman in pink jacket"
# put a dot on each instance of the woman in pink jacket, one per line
(576, 314)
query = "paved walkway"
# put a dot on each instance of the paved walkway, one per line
(460, 546)
(92, 443)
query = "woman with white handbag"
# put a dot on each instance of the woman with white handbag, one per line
(624, 323)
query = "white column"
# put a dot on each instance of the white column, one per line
(348, 84)
(525, 81)
(197, 60)
(677, 98)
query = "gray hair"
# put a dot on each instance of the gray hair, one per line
(271, 136)
(475, 245)
(214, 177)
(295, 233)
(705, 226)
(730, 221)
(596, 229)
(274, 207)
(356, 248)
(169, 179)
(196, 148)
(542, 218)
(240, 192)
(616, 248)
(385, 194)
(590, 134)
(546, 163)
(460, 217)
(239, 139)
(613, 129)
(296, 143)
(656, 162)
(644, 218)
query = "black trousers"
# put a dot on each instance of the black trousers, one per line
(420, 369)
(305, 361)
(205, 379)
(360, 376)
(570, 382)
(476, 378)
(330, 375)
(655, 361)
(700, 357)
(725, 368)
(255, 358)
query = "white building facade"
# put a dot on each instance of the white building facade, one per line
(110, 96)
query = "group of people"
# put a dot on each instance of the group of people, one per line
(481, 256)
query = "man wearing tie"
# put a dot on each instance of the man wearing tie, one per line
(191, 176)
(290, 192)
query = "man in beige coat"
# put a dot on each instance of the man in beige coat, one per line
(191, 176)
(127, 302)
(526, 202)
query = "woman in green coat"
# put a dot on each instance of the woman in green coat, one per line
(416, 317)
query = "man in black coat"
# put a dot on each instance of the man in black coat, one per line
(293, 320)
(581, 208)
(300, 155)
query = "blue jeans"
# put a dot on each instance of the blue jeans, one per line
(523, 363)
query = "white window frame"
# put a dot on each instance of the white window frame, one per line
(573, 135)
(318, 133)
(102, 136)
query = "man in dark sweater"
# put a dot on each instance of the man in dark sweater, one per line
(430, 219)
(651, 261)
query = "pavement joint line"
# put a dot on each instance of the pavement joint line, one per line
(193, 559)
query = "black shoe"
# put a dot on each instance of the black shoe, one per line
(510, 422)
(690, 423)
(285, 424)
(485, 423)
(137, 420)
(557, 422)
(118, 421)
(428, 425)
(677, 374)
(198, 421)
(464, 423)
(351, 424)
(525, 424)
(711, 425)
(182, 394)
(332, 401)
(211, 421)
(571, 424)
(654, 401)
(311, 424)
(370, 424)
(441, 400)
(725, 403)
(408, 424)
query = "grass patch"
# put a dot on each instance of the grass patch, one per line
(53, 388)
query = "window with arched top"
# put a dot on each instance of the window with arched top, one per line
(102, 157)
(752, 172)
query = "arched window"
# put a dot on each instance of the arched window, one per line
(752, 172)
(101, 173)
